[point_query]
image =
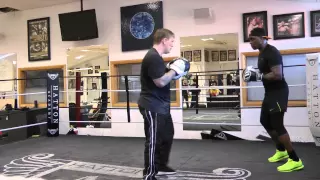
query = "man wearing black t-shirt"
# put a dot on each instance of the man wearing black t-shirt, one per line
(154, 103)
(275, 102)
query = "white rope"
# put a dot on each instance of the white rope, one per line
(138, 90)
(20, 127)
(175, 89)
(195, 123)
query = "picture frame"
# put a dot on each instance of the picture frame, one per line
(188, 55)
(90, 71)
(39, 44)
(315, 23)
(96, 69)
(232, 56)
(197, 55)
(139, 23)
(288, 26)
(253, 20)
(223, 56)
(215, 56)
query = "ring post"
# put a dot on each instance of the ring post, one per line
(312, 75)
(53, 104)
(128, 98)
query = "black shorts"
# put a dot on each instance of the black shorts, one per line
(274, 103)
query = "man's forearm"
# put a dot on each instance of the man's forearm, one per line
(271, 76)
(167, 77)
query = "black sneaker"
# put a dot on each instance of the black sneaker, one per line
(166, 171)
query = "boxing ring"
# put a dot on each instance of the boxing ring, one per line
(91, 153)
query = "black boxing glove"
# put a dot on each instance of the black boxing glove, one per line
(250, 74)
(180, 65)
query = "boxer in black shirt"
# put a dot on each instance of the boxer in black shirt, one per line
(275, 102)
(154, 103)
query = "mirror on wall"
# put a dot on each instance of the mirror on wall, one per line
(8, 70)
(214, 62)
(90, 62)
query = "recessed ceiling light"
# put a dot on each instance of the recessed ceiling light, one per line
(79, 57)
(186, 45)
(208, 39)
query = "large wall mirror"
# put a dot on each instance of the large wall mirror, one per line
(214, 62)
(89, 62)
(8, 71)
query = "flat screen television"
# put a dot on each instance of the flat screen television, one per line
(79, 25)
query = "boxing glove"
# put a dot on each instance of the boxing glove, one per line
(250, 74)
(180, 65)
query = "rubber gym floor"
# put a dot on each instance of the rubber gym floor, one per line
(112, 158)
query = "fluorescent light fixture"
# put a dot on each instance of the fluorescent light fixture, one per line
(79, 57)
(81, 69)
(186, 45)
(209, 39)
(85, 50)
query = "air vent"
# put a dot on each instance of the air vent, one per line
(7, 9)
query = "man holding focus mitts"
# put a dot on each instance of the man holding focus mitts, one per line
(154, 103)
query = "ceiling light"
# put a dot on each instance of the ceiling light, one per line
(85, 50)
(186, 45)
(80, 69)
(209, 39)
(79, 57)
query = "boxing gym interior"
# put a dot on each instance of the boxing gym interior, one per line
(70, 82)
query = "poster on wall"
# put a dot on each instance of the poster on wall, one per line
(288, 26)
(39, 39)
(138, 25)
(315, 23)
(253, 20)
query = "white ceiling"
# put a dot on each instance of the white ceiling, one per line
(32, 4)
(79, 56)
(220, 41)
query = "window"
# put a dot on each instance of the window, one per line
(34, 85)
(295, 76)
(132, 69)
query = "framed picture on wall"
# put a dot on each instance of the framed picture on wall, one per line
(197, 55)
(232, 56)
(139, 22)
(188, 55)
(223, 56)
(315, 23)
(214, 55)
(206, 56)
(97, 68)
(39, 39)
(253, 20)
(90, 71)
(288, 26)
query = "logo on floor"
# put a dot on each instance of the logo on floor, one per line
(44, 166)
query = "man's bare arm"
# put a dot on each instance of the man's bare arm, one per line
(165, 79)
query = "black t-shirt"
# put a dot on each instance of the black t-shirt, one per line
(153, 98)
(269, 58)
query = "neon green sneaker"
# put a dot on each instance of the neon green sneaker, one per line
(291, 165)
(278, 156)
